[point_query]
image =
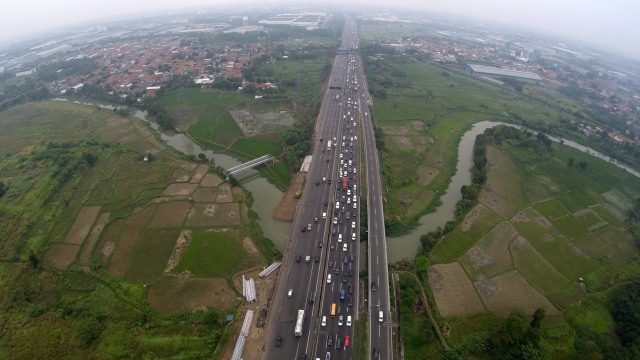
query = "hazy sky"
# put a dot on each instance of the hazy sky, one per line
(609, 24)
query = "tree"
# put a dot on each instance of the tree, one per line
(582, 164)
(570, 162)
(202, 157)
(422, 263)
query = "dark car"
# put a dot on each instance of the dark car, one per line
(279, 340)
(332, 247)
(329, 340)
(353, 257)
(374, 286)
(349, 301)
(317, 182)
(317, 258)
(320, 244)
(303, 356)
(333, 231)
(304, 228)
(346, 260)
(299, 258)
(345, 278)
(350, 289)
(330, 263)
(337, 271)
(376, 354)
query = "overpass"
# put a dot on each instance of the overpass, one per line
(248, 165)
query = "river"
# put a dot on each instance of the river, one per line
(406, 246)
(266, 196)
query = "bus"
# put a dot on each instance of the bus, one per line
(299, 322)
(333, 310)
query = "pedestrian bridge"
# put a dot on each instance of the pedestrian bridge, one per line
(248, 165)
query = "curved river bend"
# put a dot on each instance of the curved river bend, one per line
(406, 246)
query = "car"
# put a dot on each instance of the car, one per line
(317, 183)
(299, 258)
(346, 260)
(335, 220)
(290, 293)
(320, 244)
(327, 160)
(324, 321)
(348, 215)
(303, 356)
(332, 247)
(348, 200)
(327, 356)
(333, 231)
(374, 286)
(349, 320)
(329, 279)
(352, 256)
(355, 198)
(345, 278)
(340, 221)
(339, 238)
(353, 225)
(337, 205)
(304, 228)
(345, 247)
(324, 179)
(309, 227)
(317, 258)
(278, 340)
(348, 192)
(376, 354)
(354, 205)
(329, 340)
(337, 270)
(330, 263)
(350, 272)
(338, 343)
(340, 318)
(314, 220)
(326, 203)
(312, 298)
(353, 236)
(349, 301)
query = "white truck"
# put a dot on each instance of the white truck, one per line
(329, 145)
(299, 322)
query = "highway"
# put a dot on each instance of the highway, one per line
(320, 267)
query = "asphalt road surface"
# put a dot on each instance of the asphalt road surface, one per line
(320, 268)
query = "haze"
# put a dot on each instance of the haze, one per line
(609, 25)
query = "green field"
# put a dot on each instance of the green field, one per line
(215, 254)
(57, 159)
(555, 245)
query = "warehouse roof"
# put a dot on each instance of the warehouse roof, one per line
(503, 72)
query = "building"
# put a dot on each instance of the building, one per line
(493, 72)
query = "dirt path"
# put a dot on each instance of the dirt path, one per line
(286, 210)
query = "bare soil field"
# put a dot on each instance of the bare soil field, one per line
(200, 172)
(510, 290)
(453, 291)
(287, 208)
(426, 174)
(252, 123)
(181, 245)
(170, 214)
(128, 240)
(106, 243)
(180, 175)
(173, 294)
(184, 165)
(490, 255)
(179, 189)
(211, 180)
(214, 215)
(90, 244)
(60, 256)
(81, 227)
(224, 194)
(203, 194)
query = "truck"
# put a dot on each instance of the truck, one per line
(344, 183)
(328, 145)
(299, 322)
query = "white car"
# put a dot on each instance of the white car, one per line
(355, 198)
(354, 205)
(329, 279)
(339, 238)
(324, 214)
(340, 320)
(348, 192)
(353, 236)
(324, 321)
(345, 247)
(349, 320)
(335, 220)
(338, 205)
(353, 224)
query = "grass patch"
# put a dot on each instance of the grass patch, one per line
(202, 256)
(451, 247)
(551, 209)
